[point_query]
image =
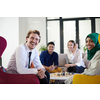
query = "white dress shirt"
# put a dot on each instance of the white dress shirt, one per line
(76, 58)
(19, 60)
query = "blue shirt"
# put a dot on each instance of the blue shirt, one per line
(47, 59)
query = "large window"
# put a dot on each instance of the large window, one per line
(84, 30)
(54, 34)
(69, 32)
(62, 29)
(97, 21)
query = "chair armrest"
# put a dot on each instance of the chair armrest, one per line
(22, 79)
(7, 78)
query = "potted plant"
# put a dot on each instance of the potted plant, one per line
(42, 48)
(85, 48)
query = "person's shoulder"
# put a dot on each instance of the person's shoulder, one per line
(44, 52)
(21, 46)
(98, 52)
(79, 50)
(55, 53)
(96, 56)
(20, 49)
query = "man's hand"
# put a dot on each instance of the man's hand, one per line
(41, 73)
(52, 67)
(56, 66)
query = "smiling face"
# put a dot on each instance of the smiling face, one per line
(32, 41)
(50, 48)
(70, 46)
(89, 43)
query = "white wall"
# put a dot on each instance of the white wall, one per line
(14, 30)
(9, 29)
(32, 23)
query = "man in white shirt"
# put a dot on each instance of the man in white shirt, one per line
(24, 55)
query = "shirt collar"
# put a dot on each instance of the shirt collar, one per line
(49, 54)
(28, 50)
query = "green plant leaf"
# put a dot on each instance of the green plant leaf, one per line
(42, 48)
(85, 48)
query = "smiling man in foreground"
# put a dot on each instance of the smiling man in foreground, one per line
(24, 55)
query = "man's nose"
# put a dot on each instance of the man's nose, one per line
(34, 40)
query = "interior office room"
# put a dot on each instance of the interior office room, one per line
(57, 29)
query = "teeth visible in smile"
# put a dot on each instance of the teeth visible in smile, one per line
(89, 46)
(32, 43)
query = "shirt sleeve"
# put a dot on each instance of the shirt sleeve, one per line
(79, 58)
(56, 59)
(37, 62)
(20, 63)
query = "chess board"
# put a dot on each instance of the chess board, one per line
(61, 74)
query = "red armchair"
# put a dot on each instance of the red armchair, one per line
(3, 44)
(6, 78)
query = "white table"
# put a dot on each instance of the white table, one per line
(54, 77)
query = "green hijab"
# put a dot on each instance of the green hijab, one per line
(91, 53)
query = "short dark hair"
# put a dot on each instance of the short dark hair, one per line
(35, 32)
(72, 41)
(51, 43)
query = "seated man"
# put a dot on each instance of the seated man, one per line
(24, 55)
(49, 59)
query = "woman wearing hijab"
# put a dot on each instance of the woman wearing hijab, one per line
(93, 55)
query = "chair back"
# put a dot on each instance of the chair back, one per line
(3, 44)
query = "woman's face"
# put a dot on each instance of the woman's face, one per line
(70, 46)
(89, 43)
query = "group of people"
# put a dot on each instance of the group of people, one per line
(26, 54)
(93, 55)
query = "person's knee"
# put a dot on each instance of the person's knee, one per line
(75, 69)
(48, 75)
